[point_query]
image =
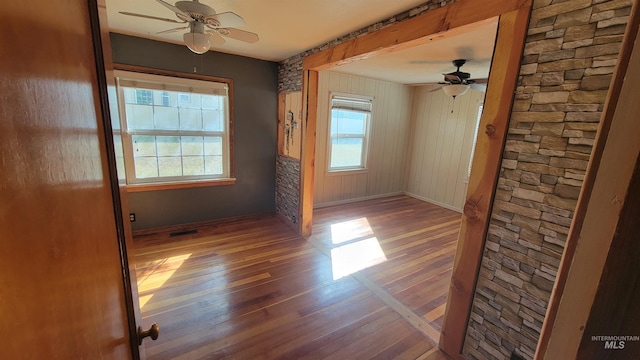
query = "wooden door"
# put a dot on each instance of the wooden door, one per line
(62, 293)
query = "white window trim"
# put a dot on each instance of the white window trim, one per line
(172, 83)
(365, 142)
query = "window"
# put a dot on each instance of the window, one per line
(144, 97)
(174, 129)
(349, 129)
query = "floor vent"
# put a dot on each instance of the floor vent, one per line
(182, 233)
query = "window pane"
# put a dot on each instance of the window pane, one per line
(170, 166)
(168, 145)
(192, 145)
(346, 152)
(347, 122)
(166, 118)
(144, 97)
(190, 119)
(139, 117)
(213, 120)
(146, 167)
(144, 146)
(193, 165)
(213, 165)
(213, 145)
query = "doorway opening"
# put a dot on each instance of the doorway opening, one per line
(512, 24)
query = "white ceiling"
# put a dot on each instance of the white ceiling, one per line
(289, 27)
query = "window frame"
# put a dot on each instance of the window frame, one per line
(365, 137)
(171, 80)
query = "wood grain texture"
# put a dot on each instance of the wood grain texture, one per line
(417, 239)
(307, 166)
(435, 25)
(388, 140)
(443, 131)
(61, 285)
(253, 289)
(484, 175)
(290, 105)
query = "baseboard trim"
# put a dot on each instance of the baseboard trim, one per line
(354, 200)
(430, 201)
(199, 224)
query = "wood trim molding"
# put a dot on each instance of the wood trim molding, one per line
(178, 185)
(154, 71)
(459, 17)
(453, 19)
(484, 176)
(307, 167)
(607, 139)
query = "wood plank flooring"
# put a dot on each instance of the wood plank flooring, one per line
(418, 240)
(253, 289)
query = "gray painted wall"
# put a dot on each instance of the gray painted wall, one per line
(255, 99)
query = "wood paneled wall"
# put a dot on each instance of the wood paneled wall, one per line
(388, 145)
(441, 145)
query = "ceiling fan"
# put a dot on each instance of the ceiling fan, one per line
(205, 26)
(458, 82)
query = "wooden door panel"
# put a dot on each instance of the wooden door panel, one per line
(61, 287)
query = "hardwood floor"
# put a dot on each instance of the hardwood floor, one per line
(417, 239)
(253, 289)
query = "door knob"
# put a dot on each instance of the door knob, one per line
(153, 332)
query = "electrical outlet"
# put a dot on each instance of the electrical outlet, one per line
(132, 217)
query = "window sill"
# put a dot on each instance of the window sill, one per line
(346, 172)
(179, 185)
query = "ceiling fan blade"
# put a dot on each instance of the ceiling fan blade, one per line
(238, 34)
(173, 30)
(152, 17)
(452, 78)
(436, 88)
(225, 19)
(185, 16)
(215, 38)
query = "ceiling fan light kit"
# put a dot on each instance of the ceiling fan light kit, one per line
(455, 89)
(197, 42)
(458, 82)
(206, 27)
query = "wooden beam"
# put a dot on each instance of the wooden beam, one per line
(603, 182)
(484, 176)
(307, 167)
(436, 24)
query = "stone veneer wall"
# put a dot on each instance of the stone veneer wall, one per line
(288, 188)
(569, 57)
(570, 53)
(290, 79)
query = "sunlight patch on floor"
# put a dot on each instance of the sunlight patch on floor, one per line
(350, 230)
(154, 280)
(356, 250)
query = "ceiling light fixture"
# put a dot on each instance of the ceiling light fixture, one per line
(455, 89)
(196, 40)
